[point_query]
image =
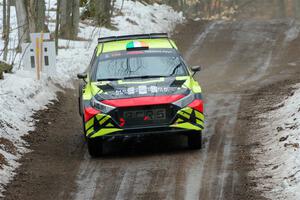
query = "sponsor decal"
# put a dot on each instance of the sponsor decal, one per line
(143, 89)
(131, 91)
(153, 89)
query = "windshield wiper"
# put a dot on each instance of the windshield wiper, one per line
(108, 79)
(175, 69)
(142, 77)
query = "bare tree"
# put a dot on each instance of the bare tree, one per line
(281, 9)
(4, 18)
(6, 30)
(69, 18)
(101, 11)
(30, 18)
(22, 20)
(57, 25)
(36, 15)
(297, 8)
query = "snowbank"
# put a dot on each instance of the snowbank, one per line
(278, 164)
(21, 95)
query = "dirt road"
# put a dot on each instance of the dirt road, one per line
(239, 57)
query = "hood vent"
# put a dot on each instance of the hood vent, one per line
(177, 83)
(106, 87)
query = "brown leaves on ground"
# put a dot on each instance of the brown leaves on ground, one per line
(2, 161)
(294, 145)
(8, 146)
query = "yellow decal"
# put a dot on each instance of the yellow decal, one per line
(199, 122)
(190, 83)
(110, 125)
(105, 131)
(104, 120)
(188, 110)
(90, 90)
(89, 124)
(199, 115)
(90, 131)
(179, 120)
(184, 114)
(186, 125)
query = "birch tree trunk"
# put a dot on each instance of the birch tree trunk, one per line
(22, 20)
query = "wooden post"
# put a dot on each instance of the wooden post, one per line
(37, 56)
(41, 52)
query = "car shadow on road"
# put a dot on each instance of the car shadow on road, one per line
(145, 146)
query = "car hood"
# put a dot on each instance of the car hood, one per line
(154, 89)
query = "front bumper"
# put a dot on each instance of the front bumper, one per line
(186, 120)
(157, 131)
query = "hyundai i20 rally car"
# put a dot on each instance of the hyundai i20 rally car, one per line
(137, 85)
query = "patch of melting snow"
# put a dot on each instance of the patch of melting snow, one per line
(278, 166)
(292, 64)
(293, 33)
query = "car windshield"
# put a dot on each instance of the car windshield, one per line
(139, 66)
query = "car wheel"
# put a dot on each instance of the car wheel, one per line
(83, 128)
(195, 140)
(95, 147)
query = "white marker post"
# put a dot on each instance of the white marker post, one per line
(37, 42)
(48, 61)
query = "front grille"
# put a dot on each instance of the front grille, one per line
(144, 116)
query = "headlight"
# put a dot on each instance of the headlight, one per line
(185, 101)
(101, 106)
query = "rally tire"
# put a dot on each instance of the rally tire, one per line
(195, 140)
(83, 127)
(95, 147)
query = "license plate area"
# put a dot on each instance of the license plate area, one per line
(145, 116)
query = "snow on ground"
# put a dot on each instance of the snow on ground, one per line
(21, 94)
(278, 163)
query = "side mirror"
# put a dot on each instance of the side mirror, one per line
(82, 76)
(196, 69)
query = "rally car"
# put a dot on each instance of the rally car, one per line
(137, 85)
